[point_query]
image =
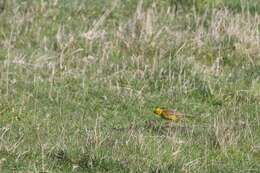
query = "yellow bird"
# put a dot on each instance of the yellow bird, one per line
(168, 114)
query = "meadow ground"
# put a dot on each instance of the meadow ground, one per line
(79, 81)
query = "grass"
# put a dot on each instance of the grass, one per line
(79, 81)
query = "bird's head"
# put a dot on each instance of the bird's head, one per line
(158, 111)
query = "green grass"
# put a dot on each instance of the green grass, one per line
(79, 81)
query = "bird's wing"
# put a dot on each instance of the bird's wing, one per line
(174, 112)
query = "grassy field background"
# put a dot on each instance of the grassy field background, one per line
(79, 81)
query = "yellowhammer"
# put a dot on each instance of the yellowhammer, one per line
(168, 114)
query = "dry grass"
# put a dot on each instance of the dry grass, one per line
(79, 81)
